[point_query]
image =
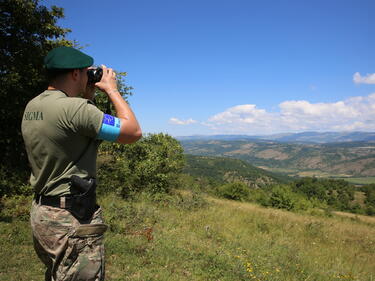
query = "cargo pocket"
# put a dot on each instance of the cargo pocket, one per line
(84, 256)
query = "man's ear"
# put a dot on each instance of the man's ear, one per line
(75, 74)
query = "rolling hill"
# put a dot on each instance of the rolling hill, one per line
(221, 170)
(344, 159)
(303, 137)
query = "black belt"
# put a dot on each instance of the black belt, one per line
(82, 205)
(63, 202)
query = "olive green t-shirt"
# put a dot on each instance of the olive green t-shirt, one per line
(60, 138)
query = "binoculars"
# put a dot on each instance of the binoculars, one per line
(94, 75)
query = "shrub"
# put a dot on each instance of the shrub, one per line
(110, 175)
(282, 197)
(258, 195)
(234, 191)
(13, 183)
(336, 193)
(151, 164)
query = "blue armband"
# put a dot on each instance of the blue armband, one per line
(110, 129)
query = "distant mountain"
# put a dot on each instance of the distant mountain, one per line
(328, 159)
(222, 170)
(327, 137)
(304, 137)
(219, 137)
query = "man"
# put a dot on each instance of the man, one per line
(62, 132)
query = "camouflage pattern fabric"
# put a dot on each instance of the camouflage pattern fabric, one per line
(71, 251)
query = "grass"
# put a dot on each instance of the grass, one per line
(190, 237)
(307, 173)
(320, 174)
(360, 180)
(290, 172)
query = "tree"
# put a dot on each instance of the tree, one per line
(27, 32)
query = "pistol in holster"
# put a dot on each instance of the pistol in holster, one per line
(83, 197)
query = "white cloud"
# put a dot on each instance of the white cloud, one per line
(177, 121)
(247, 113)
(368, 79)
(356, 113)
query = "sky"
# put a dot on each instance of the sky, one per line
(236, 67)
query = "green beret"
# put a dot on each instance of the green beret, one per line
(67, 58)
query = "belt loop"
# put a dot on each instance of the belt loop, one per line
(63, 202)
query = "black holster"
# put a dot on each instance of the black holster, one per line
(83, 197)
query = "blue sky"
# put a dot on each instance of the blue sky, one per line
(236, 67)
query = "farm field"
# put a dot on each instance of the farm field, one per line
(363, 180)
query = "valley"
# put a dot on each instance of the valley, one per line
(340, 160)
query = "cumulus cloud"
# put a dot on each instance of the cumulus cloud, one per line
(356, 113)
(368, 79)
(240, 118)
(247, 113)
(177, 121)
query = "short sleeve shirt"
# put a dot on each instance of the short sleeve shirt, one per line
(60, 139)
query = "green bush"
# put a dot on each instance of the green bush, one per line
(282, 197)
(110, 175)
(152, 164)
(337, 193)
(258, 195)
(234, 191)
(12, 182)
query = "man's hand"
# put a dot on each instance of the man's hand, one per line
(130, 131)
(108, 82)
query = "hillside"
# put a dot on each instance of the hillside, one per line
(190, 237)
(330, 159)
(221, 170)
(304, 137)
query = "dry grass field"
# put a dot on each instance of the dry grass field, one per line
(194, 237)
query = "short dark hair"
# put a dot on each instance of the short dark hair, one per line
(54, 74)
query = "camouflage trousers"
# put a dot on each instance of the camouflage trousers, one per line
(71, 251)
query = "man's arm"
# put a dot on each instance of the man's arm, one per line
(130, 131)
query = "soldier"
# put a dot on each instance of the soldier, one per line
(62, 132)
